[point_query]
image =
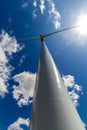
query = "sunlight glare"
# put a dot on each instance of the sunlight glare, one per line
(82, 22)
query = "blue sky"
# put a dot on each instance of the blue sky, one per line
(19, 59)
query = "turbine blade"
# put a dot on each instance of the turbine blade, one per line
(32, 38)
(47, 35)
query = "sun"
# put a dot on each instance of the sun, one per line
(82, 23)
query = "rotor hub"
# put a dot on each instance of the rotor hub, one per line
(41, 38)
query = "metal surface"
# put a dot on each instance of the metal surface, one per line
(52, 107)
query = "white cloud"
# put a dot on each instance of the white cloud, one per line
(2, 56)
(3, 88)
(74, 96)
(42, 6)
(34, 14)
(69, 80)
(8, 46)
(17, 125)
(54, 13)
(35, 3)
(56, 24)
(25, 89)
(75, 89)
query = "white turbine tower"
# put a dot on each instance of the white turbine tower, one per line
(52, 107)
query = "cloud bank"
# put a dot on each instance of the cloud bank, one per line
(8, 46)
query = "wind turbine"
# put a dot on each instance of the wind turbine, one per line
(52, 107)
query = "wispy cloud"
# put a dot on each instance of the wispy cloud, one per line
(17, 124)
(25, 5)
(25, 89)
(42, 6)
(34, 13)
(22, 60)
(75, 90)
(35, 3)
(8, 46)
(54, 14)
(9, 20)
(51, 10)
(85, 125)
